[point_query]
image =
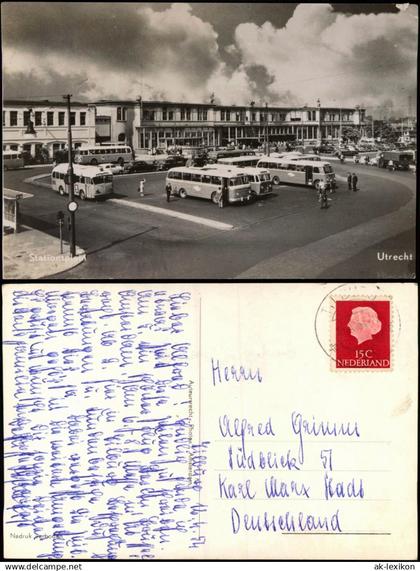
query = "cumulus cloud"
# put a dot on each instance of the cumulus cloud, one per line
(168, 51)
(342, 59)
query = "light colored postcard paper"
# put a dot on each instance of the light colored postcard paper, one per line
(272, 421)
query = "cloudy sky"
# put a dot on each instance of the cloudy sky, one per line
(345, 54)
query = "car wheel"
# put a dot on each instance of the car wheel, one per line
(61, 191)
(276, 180)
(182, 193)
(82, 195)
(317, 184)
(94, 162)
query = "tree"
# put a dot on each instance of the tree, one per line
(351, 134)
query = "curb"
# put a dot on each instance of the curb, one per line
(35, 180)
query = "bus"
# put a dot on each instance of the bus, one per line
(95, 154)
(206, 182)
(241, 161)
(12, 160)
(214, 156)
(88, 181)
(305, 158)
(307, 173)
(259, 179)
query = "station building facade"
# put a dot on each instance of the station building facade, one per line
(154, 124)
(33, 126)
(30, 125)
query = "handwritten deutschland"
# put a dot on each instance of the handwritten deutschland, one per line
(287, 522)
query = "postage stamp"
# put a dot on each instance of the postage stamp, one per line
(360, 330)
(357, 327)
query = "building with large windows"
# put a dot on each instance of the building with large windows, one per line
(33, 125)
(153, 124)
(36, 126)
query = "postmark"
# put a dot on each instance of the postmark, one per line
(357, 326)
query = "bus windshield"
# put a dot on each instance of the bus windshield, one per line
(238, 180)
(100, 179)
(328, 168)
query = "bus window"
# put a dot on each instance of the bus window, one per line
(102, 178)
(206, 178)
(316, 170)
(196, 177)
(291, 167)
(186, 176)
(216, 180)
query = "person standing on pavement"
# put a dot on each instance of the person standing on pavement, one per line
(168, 192)
(354, 180)
(349, 183)
(322, 194)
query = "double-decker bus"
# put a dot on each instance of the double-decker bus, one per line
(12, 160)
(88, 181)
(207, 182)
(307, 173)
(95, 154)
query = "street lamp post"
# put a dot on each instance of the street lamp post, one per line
(140, 102)
(71, 210)
(267, 144)
(341, 128)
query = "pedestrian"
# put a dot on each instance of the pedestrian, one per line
(141, 186)
(341, 158)
(354, 180)
(168, 192)
(323, 197)
(223, 197)
(349, 183)
(220, 199)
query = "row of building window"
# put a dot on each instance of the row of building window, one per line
(40, 118)
(226, 115)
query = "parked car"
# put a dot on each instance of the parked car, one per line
(139, 166)
(327, 149)
(346, 152)
(114, 168)
(170, 162)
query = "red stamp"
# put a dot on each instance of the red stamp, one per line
(361, 331)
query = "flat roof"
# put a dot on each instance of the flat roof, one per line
(42, 103)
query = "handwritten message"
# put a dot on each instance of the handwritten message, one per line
(102, 453)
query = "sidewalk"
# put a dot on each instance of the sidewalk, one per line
(32, 254)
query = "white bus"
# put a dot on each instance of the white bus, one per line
(88, 181)
(206, 182)
(12, 160)
(307, 173)
(243, 161)
(259, 179)
(315, 158)
(95, 154)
